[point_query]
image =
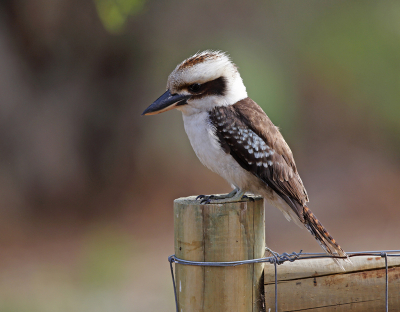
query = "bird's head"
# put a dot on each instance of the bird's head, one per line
(200, 83)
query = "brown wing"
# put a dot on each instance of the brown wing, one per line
(246, 132)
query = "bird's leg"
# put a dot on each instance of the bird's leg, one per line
(233, 196)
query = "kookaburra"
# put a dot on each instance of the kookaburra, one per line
(232, 136)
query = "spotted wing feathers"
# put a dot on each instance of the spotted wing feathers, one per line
(246, 132)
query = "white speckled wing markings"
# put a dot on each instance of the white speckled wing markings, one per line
(245, 131)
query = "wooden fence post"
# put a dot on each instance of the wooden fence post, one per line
(320, 285)
(219, 232)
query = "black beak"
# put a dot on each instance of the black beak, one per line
(166, 102)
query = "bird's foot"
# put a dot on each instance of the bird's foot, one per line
(233, 196)
(249, 198)
(207, 198)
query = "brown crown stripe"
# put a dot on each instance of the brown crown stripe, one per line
(190, 62)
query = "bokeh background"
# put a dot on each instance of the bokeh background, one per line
(87, 184)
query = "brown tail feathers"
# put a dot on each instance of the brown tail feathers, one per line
(325, 240)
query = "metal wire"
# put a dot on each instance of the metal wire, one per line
(278, 259)
(387, 283)
(276, 286)
(173, 282)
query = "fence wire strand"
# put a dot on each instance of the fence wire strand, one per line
(277, 259)
(387, 283)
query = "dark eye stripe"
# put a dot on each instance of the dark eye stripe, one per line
(213, 87)
(196, 87)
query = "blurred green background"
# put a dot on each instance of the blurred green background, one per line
(87, 184)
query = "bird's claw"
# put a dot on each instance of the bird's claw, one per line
(205, 199)
(249, 198)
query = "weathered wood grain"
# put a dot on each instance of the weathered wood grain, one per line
(223, 232)
(320, 285)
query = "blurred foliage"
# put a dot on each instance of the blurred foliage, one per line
(354, 50)
(101, 278)
(114, 13)
(267, 84)
(105, 257)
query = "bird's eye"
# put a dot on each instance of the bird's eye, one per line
(195, 87)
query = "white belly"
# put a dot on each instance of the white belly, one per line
(207, 148)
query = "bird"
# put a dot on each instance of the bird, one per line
(233, 137)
